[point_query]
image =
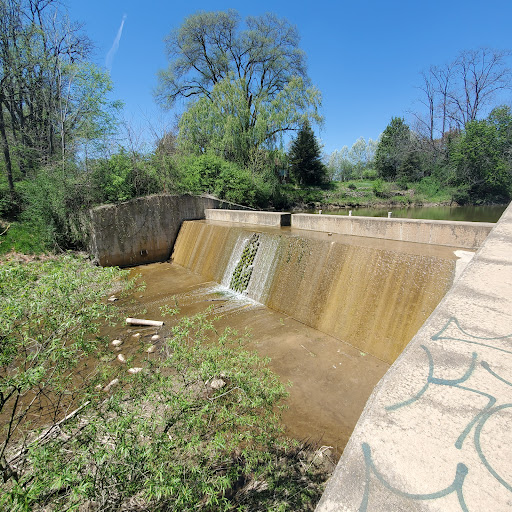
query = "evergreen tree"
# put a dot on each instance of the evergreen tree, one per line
(393, 150)
(306, 166)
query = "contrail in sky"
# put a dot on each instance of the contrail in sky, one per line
(115, 45)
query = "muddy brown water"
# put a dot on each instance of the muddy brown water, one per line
(330, 380)
(331, 311)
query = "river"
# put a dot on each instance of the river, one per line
(457, 213)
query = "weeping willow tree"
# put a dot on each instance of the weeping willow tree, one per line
(227, 124)
(244, 88)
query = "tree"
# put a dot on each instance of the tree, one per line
(306, 165)
(50, 96)
(393, 154)
(245, 87)
(461, 91)
(345, 163)
(482, 158)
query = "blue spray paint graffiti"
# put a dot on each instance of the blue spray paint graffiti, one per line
(478, 422)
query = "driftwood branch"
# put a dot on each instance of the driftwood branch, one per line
(5, 230)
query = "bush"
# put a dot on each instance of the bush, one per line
(52, 203)
(186, 433)
(370, 174)
(381, 188)
(50, 312)
(352, 186)
(122, 177)
(211, 174)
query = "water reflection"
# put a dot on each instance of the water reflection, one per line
(458, 213)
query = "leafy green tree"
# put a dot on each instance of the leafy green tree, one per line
(248, 87)
(306, 165)
(482, 160)
(52, 101)
(394, 157)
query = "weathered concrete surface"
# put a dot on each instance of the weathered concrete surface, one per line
(250, 217)
(469, 235)
(142, 230)
(436, 432)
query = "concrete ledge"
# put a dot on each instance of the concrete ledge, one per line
(435, 434)
(469, 235)
(250, 217)
(142, 230)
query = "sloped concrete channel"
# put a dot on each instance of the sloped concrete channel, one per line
(434, 433)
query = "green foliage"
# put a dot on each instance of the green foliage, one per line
(196, 430)
(481, 158)
(249, 85)
(393, 149)
(370, 174)
(381, 188)
(306, 166)
(50, 312)
(52, 202)
(226, 123)
(212, 174)
(25, 238)
(122, 177)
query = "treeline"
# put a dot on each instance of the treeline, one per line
(244, 92)
(245, 127)
(454, 141)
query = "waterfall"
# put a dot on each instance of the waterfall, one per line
(373, 294)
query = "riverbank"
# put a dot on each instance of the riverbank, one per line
(372, 194)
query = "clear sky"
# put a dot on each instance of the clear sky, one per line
(364, 56)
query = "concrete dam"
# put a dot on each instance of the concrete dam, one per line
(385, 317)
(373, 295)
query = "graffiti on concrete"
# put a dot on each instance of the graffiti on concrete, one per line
(475, 425)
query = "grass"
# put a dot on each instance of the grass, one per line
(369, 193)
(21, 237)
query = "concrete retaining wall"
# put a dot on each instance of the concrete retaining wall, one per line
(142, 230)
(435, 434)
(249, 217)
(469, 235)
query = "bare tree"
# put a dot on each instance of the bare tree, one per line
(461, 91)
(481, 74)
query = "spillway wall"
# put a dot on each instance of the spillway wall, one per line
(374, 295)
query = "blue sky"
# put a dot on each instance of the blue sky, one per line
(365, 57)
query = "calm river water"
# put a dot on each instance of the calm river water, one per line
(464, 213)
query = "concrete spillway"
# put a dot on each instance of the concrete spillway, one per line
(373, 294)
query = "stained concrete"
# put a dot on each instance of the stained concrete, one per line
(373, 294)
(143, 230)
(468, 235)
(435, 433)
(250, 217)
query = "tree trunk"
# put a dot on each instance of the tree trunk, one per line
(6, 151)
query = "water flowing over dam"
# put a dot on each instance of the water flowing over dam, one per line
(396, 340)
(372, 294)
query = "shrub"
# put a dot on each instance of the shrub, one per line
(381, 188)
(186, 433)
(370, 174)
(122, 177)
(50, 312)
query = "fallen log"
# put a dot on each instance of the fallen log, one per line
(141, 321)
